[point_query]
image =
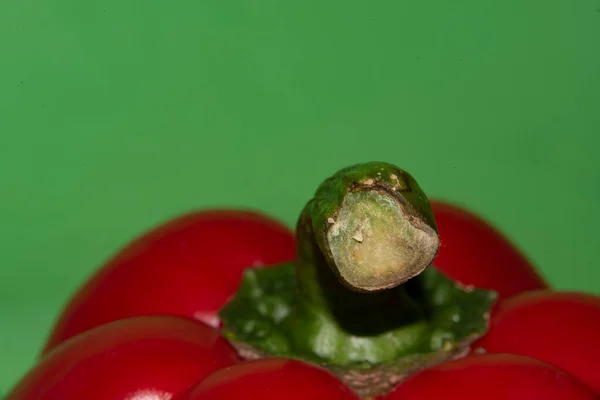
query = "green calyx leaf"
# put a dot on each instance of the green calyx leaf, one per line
(362, 298)
(435, 319)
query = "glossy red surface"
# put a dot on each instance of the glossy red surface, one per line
(475, 253)
(189, 266)
(271, 379)
(135, 359)
(561, 328)
(493, 377)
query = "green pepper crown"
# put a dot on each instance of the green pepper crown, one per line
(360, 298)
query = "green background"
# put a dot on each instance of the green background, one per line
(118, 114)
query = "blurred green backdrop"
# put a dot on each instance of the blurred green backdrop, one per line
(118, 114)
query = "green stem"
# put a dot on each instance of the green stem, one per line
(359, 292)
(368, 229)
(356, 311)
(369, 224)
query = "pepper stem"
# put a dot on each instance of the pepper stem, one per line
(374, 226)
(376, 245)
(365, 303)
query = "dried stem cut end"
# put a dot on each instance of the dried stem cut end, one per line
(377, 243)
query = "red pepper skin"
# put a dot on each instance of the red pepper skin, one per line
(188, 266)
(493, 377)
(476, 253)
(271, 379)
(154, 357)
(560, 328)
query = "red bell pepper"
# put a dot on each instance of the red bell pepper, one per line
(378, 294)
